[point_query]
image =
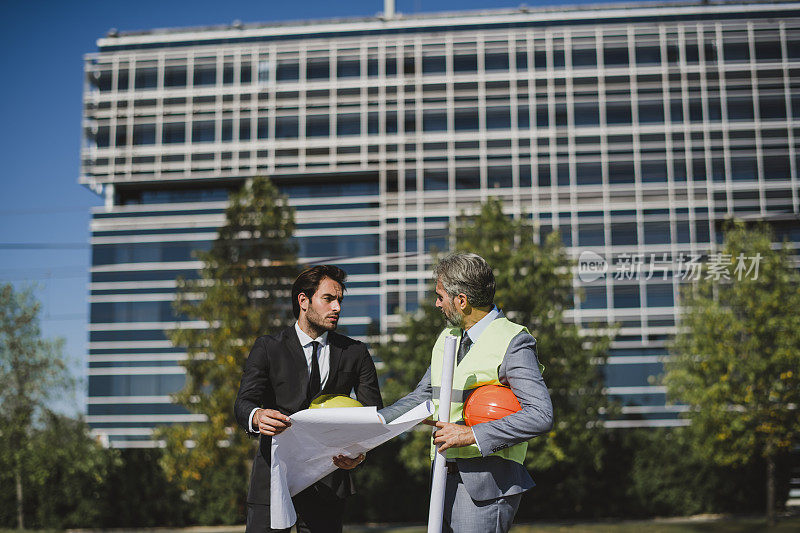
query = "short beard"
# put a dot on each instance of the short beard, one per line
(456, 321)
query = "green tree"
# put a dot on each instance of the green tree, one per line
(33, 377)
(242, 293)
(534, 288)
(737, 354)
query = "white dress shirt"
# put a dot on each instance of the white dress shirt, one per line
(323, 359)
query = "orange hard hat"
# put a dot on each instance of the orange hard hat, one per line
(490, 402)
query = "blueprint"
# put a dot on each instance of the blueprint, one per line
(303, 454)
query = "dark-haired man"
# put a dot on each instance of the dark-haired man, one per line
(283, 373)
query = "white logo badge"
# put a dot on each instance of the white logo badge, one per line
(591, 266)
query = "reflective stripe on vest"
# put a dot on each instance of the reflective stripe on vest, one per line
(479, 367)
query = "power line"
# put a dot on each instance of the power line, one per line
(45, 210)
(42, 245)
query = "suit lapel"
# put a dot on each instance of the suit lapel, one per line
(335, 355)
(295, 350)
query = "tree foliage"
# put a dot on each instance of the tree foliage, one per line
(534, 288)
(243, 291)
(33, 377)
(737, 355)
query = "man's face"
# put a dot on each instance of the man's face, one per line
(323, 309)
(452, 314)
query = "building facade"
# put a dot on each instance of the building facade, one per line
(634, 131)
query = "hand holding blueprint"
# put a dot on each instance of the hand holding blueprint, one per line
(303, 454)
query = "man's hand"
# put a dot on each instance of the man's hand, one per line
(270, 422)
(451, 435)
(344, 462)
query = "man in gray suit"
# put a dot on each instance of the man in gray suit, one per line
(485, 472)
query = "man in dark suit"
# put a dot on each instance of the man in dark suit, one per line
(283, 374)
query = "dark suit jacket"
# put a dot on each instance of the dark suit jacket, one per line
(276, 377)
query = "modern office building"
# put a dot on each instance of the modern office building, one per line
(632, 129)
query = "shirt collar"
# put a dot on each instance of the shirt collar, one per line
(305, 339)
(475, 331)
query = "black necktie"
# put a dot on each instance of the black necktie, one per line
(314, 380)
(464, 347)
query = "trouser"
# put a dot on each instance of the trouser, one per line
(462, 514)
(316, 513)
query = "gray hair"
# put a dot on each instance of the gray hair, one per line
(469, 274)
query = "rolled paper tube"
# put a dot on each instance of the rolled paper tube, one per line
(436, 510)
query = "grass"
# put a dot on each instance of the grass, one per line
(723, 525)
(679, 525)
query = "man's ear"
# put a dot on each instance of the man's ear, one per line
(303, 300)
(461, 301)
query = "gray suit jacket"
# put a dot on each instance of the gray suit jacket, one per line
(487, 478)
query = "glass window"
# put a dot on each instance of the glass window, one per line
(348, 67)
(740, 108)
(465, 62)
(523, 117)
(317, 126)
(626, 296)
(146, 78)
(587, 114)
(584, 58)
(468, 178)
(391, 122)
(391, 66)
(772, 107)
(285, 127)
(498, 117)
(203, 131)
(594, 298)
(499, 176)
(175, 76)
(122, 79)
(654, 171)
(618, 112)
(435, 180)
(777, 167)
(660, 295)
(656, 233)
(496, 60)
(317, 69)
(591, 235)
(173, 132)
(205, 75)
(737, 50)
(621, 172)
(244, 129)
(589, 173)
(410, 122)
(103, 137)
(768, 50)
(287, 70)
(102, 80)
(522, 59)
(615, 56)
(433, 64)
(543, 172)
(623, 234)
(466, 119)
(144, 134)
(648, 55)
(744, 168)
(349, 124)
(651, 111)
(434, 120)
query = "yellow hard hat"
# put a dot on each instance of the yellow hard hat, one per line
(334, 400)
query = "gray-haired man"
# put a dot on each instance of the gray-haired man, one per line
(486, 477)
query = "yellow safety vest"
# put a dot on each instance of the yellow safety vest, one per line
(479, 367)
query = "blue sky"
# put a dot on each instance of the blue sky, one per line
(44, 213)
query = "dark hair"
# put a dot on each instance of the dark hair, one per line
(469, 274)
(308, 282)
